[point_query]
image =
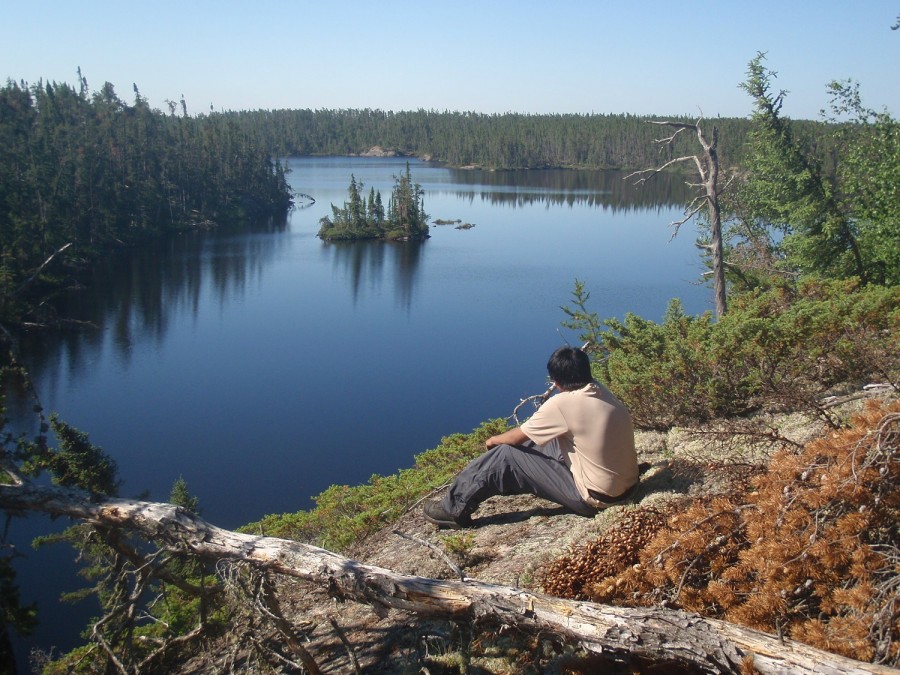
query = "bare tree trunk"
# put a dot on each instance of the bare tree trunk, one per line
(707, 165)
(715, 218)
(704, 645)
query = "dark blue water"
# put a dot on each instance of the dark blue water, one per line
(264, 366)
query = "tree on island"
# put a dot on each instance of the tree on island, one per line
(361, 218)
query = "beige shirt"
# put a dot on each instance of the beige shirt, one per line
(595, 435)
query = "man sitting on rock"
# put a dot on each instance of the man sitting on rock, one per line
(576, 450)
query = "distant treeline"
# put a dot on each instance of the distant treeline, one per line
(499, 141)
(85, 173)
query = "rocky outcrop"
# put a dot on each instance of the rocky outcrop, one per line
(378, 151)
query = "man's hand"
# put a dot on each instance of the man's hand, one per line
(514, 436)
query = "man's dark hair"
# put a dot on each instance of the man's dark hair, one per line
(570, 368)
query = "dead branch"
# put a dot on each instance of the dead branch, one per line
(643, 175)
(538, 400)
(25, 284)
(267, 599)
(431, 547)
(687, 216)
(159, 571)
(351, 654)
(679, 127)
(169, 644)
(705, 645)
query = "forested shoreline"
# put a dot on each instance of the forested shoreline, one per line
(83, 174)
(499, 141)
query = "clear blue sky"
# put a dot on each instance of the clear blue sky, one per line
(492, 56)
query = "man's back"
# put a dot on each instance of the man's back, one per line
(595, 434)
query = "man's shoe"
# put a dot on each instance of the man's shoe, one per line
(435, 513)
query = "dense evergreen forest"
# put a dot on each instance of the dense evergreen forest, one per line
(82, 173)
(507, 141)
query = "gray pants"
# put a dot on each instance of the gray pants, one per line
(516, 470)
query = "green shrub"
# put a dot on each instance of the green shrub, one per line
(782, 349)
(459, 544)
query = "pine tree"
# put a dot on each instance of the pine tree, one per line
(787, 187)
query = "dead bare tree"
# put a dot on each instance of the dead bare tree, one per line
(703, 645)
(25, 284)
(707, 165)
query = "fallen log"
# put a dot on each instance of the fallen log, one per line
(657, 634)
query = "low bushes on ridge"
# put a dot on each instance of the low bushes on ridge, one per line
(779, 350)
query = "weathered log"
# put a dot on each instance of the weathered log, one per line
(703, 645)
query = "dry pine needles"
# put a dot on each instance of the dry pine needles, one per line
(811, 550)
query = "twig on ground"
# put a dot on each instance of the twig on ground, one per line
(428, 544)
(343, 638)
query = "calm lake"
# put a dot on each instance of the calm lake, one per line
(264, 365)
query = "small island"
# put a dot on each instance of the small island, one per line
(361, 218)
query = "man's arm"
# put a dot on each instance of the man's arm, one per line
(514, 436)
